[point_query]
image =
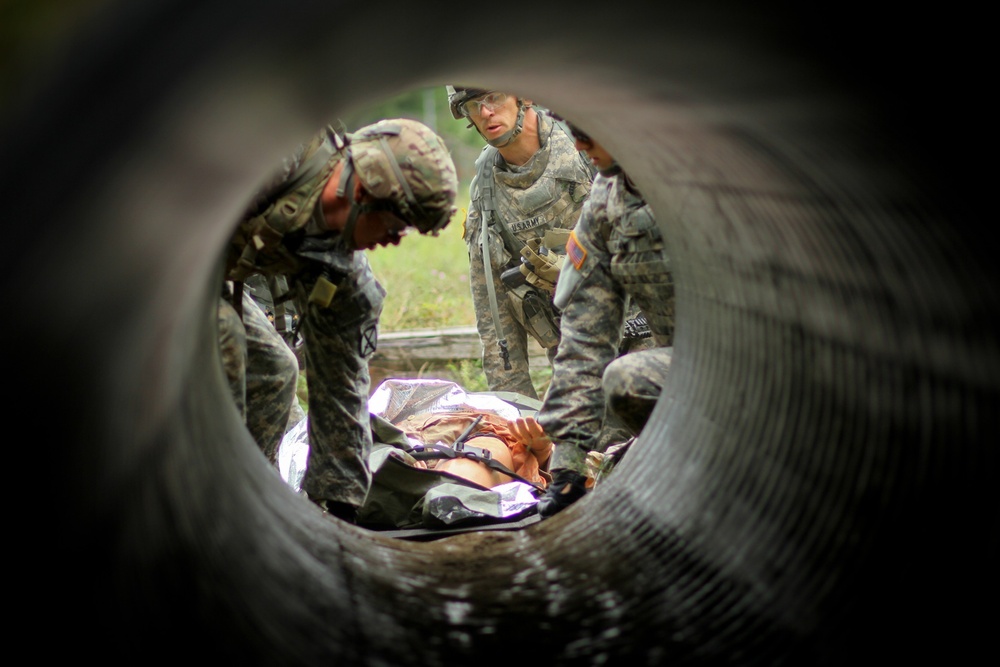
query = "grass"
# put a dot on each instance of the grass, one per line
(427, 287)
(427, 281)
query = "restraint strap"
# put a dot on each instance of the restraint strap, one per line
(459, 450)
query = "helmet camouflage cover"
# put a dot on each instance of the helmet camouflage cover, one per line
(404, 162)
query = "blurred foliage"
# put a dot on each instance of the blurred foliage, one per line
(469, 374)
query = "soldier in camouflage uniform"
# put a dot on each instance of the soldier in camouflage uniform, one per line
(261, 369)
(280, 313)
(530, 180)
(336, 196)
(615, 253)
(283, 317)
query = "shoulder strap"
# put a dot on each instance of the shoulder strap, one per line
(488, 209)
(485, 163)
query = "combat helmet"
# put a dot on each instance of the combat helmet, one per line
(458, 96)
(407, 168)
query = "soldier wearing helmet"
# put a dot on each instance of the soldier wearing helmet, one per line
(469, 103)
(336, 196)
(615, 255)
(527, 192)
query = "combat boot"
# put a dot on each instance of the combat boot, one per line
(343, 511)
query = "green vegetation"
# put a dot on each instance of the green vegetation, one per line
(468, 373)
(426, 280)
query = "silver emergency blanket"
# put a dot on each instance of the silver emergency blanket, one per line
(395, 400)
(452, 504)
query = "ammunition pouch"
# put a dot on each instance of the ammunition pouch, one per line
(534, 311)
(260, 251)
(513, 278)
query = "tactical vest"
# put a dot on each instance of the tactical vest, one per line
(640, 265)
(518, 205)
(258, 245)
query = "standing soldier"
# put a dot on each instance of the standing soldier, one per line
(529, 188)
(615, 254)
(337, 196)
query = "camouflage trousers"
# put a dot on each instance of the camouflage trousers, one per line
(632, 384)
(517, 378)
(631, 387)
(262, 372)
(339, 339)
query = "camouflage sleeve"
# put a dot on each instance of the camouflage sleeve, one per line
(572, 413)
(573, 169)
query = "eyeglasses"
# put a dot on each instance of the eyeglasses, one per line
(490, 100)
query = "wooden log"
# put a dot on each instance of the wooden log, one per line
(424, 346)
(437, 346)
(430, 353)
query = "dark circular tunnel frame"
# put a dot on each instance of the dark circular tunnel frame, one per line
(746, 534)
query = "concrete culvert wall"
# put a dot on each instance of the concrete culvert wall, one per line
(817, 482)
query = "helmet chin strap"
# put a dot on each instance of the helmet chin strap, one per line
(511, 134)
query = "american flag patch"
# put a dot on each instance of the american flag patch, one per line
(576, 252)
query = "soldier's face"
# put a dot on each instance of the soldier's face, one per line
(493, 121)
(599, 157)
(378, 228)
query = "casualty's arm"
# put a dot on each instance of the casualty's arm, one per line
(531, 434)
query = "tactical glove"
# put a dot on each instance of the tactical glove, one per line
(566, 488)
(541, 266)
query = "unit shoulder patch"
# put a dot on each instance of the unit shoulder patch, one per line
(575, 251)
